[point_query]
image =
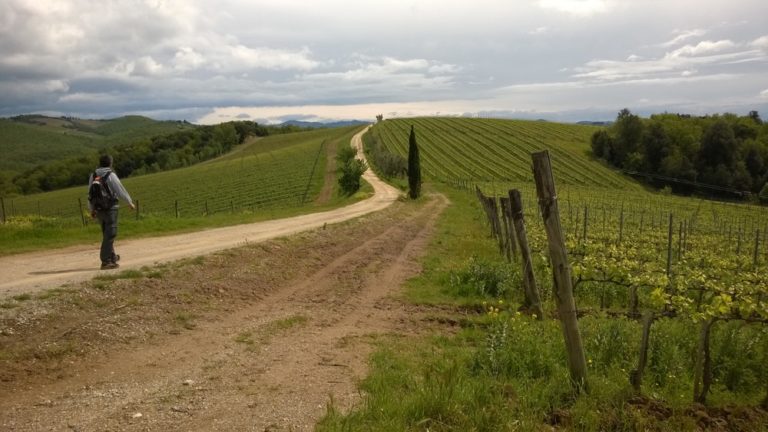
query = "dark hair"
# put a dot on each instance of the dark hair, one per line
(105, 161)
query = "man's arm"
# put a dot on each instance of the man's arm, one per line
(116, 186)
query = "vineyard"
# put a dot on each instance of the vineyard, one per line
(673, 290)
(486, 150)
(274, 172)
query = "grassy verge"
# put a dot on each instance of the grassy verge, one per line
(33, 233)
(504, 371)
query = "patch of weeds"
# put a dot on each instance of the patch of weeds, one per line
(55, 350)
(286, 323)
(154, 274)
(185, 296)
(54, 292)
(8, 305)
(268, 330)
(283, 324)
(84, 303)
(127, 274)
(247, 339)
(200, 260)
(133, 300)
(5, 355)
(482, 278)
(22, 297)
(185, 320)
(100, 285)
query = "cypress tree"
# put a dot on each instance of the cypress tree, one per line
(414, 167)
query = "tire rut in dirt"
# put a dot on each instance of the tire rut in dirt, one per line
(283, 381)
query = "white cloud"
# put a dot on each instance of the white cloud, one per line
(683, 35)
(764, 94)
(186, 58)
(761, 43)
(444, 69)
(704, 47)
(240, 56)
(178, 56)
(576, 7)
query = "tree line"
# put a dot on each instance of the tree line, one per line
(714, 154)
(159, 153)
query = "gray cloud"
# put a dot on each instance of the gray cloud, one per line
(190, 58)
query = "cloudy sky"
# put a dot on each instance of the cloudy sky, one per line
(213, 61)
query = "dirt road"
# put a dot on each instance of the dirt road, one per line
(37, 271)
(260, 337)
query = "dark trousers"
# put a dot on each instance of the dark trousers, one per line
(108, 219)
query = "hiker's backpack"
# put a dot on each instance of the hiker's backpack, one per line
(99, 194)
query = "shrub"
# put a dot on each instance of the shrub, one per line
(351, 171)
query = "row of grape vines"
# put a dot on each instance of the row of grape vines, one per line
(634, 254)
(497, 150)
(274, 172)
(665, 258)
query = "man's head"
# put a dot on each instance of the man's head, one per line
(105, 161)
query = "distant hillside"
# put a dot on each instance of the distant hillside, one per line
(318, 125)
(273, 172)
(498, 151)
(30, 140)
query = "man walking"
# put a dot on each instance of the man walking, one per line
(105, 208)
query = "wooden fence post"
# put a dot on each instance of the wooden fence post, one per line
(669, 247)
(529, 279)
(621, 225)
(563, 285)
(702, 374)
(493, 209)
(176, 208)
(636, 376)
(510, 249)
(757, 247)
(80, 210)
(2, 204)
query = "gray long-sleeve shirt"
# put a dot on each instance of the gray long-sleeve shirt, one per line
(114, 184)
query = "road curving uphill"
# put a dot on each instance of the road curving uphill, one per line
(26, 273)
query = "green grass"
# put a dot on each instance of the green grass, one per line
(271, 178)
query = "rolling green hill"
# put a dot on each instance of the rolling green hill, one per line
(27, 141)
(272, 172)
(485, 150)
(495, 155)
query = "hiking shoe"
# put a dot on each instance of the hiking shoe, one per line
(109, 266)
(115, 258)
